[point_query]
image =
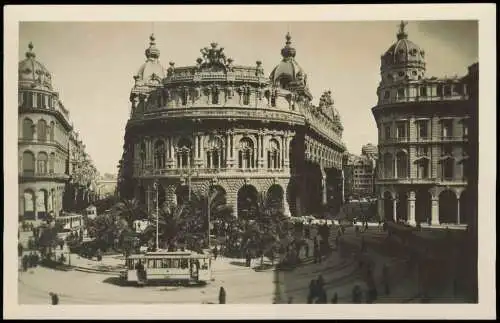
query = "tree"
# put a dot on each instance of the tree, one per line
(107, 229)
(129, 210)
(48, 238)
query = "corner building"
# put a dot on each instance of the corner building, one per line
(229, 128)
(51, 157)
(423, 139)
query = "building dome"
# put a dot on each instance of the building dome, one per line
(288, 70)
(32, 73)
(151, 72)
(404, 57)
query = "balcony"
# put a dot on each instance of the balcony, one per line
(208, 172)
(429, 181)
(42, 176)
(453, 138)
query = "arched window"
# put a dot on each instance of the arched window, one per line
(159, 154)
(52, 126)
(42, 130)
(41, 162)
(402, 164)
(52, 162)
(28, 163)
(184, 153)
(215, 153)
(184, 96)
(246, 154)
(388, 165)
(29, 205)
(273, 155)
(28, 129)
(41, 203)
(142, 155)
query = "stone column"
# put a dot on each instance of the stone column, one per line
(196, 146)
(286, 207)
(380, 208)
(411, 208)
(227, 153)
(233, 151)
(395, 172)
(342, 178)
(458, 210)
(435, 211)
(394, 209)
(324, 192)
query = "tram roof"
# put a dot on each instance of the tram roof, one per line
(168, 254)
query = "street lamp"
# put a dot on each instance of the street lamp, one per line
(155, 185)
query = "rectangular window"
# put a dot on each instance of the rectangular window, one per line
(423, 91)
(401, 93)
(422, 129)
(39, 100)
(439, 90)
(446, 128)
(387, 132)
(401, 130)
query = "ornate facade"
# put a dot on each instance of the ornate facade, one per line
(423, 140)
(50, 154)
(218, 125)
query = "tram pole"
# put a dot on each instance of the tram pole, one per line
(157, 215)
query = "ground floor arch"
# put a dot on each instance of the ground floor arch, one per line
(402, 207)
(448, 207)
(423, 206)
(247, 202)
(466, 207)
(275, 198)
(388, 206)
(293, 197)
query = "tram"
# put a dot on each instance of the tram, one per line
(179, 266)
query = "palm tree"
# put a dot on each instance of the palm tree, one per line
(129, 210)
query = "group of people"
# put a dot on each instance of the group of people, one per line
(30, 260)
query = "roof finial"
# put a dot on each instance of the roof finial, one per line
(30, 54)
(402, 33)
(152, 52)
(288, 51)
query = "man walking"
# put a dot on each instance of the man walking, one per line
(222, 295)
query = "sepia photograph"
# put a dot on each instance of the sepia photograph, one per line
(247, 162)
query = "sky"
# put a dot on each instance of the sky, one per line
(93, 63)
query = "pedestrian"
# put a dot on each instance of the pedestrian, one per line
(215, 252)
(334, 299)
(25, 262)
(20, 249)
(337, 238)
(54, 298)
(356, 295)
(312, 291)
(306, 247)
(222, 295)
(385, 279)
(322, 297)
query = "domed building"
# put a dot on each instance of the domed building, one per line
(423, 140)
(218, 126)
(46, 140)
